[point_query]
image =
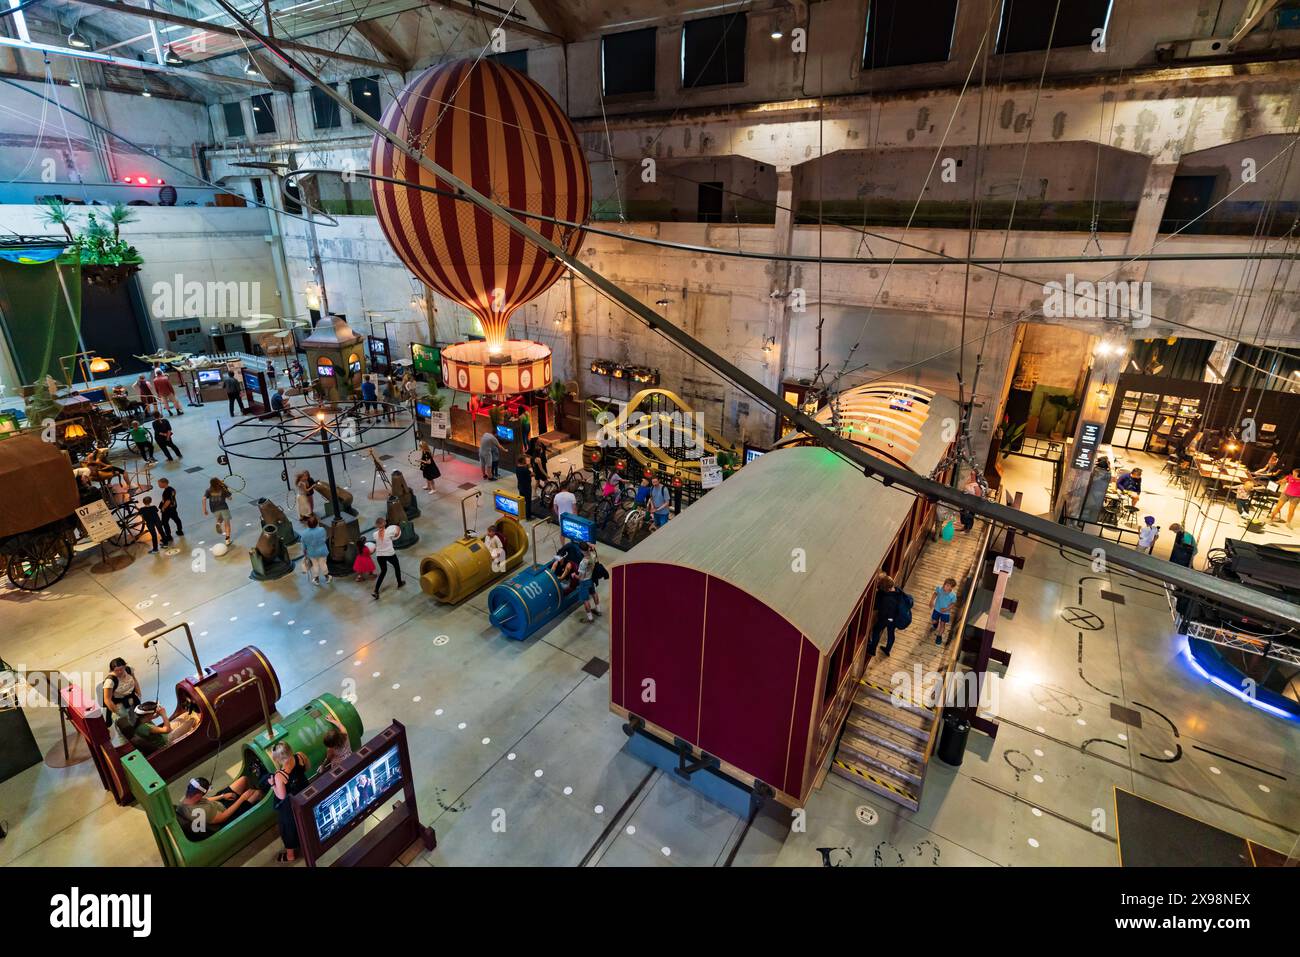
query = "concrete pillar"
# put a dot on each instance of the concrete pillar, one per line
(1146, 223)
(779, 310)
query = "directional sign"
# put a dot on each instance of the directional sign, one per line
(710, 472)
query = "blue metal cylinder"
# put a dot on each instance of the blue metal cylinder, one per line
(522, 604)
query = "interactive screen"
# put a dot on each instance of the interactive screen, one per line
(506, 504)
(324, 370)
(209, 376)
(423, 410)
(505, 433)
(252, 383)
(576, 528)
(378, 350)
(752, 454)
(368, 787)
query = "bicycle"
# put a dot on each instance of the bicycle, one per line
(575, 482)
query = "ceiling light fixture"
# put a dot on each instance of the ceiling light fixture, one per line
(172, 58)
(249, 67)
(75, 39)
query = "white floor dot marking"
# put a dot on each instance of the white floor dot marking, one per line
(462, 726)
(416, 699)
(374, 674)
(1080, 721)
(321, 642)
(568, 791)
(396, 686)
(487, 740)
(357, 663)
(1040, 729)
(1265, 788)
(438, 712)
(538, 773)
(631, 829)
(665, 851)
(291, 621)
(1214, 770)
(339, 652)
(1038, 778)
(154, 595)
(1122, 736)
(599, 809)
(1168, 753)
(1038, 752)
(1033, 842)
(202, 633)
(274, 613)
(234, 618)
(175, 613)
(510, 756)
(261, 604)
(1036, 812)
(306, 631)
(1042, 708)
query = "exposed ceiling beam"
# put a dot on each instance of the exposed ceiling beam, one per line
(110, 60)
(201, 25)
(271, 71)
(554, 15)
(105, 86)
(493, 20)
(383, 43)
(1251, 17)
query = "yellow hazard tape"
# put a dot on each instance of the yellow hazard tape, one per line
(854, 769)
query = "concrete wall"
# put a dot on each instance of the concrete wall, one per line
(178, 241)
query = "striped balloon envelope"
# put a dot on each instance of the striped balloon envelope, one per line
(498, 130)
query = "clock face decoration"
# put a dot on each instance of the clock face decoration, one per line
(526, 379)
(462, 379)
(494, 381)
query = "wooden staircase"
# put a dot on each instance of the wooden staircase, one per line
(890, 731)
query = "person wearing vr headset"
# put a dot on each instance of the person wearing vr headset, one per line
(204, 810)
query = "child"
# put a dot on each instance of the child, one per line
(216, 502)
(363, 564)
(945, 597)
(153, 522)
(495, 548)
(1148, 534)
(586, 571)
(1244, 491)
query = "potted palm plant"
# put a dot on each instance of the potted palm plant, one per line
(107, 260)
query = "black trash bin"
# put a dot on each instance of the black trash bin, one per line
(952, 740)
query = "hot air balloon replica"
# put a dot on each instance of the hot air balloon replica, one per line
(499, 131)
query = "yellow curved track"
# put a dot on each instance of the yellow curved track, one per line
(641, 429)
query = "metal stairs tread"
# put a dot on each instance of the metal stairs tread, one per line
(866, 778)
(908, 769)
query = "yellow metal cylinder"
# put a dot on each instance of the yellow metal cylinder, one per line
(458, 570)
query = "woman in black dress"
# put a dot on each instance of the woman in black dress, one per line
(290, 777)
(428, 467)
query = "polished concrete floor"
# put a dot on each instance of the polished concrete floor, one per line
(517, 759)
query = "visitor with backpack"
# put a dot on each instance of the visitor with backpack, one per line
(1184, 548)
(893, 608)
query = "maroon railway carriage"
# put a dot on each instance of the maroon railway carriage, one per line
(741, 626)
(227, 704)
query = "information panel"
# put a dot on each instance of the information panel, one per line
(98, 522)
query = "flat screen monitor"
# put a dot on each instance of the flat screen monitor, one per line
(506, 504)
(576, 528)
(209, 376)
(423, 410)
(368, 787)
(252, 383)
(324, 370)
(354, 366)
(752, 454)
(505, 433)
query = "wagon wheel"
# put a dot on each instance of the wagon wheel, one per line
(131, 523)
(38, 561)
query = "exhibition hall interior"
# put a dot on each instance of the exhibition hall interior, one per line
(570, 433)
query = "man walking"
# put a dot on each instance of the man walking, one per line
(659, 501)
(233, 394)
(165, 393)
(168, 510)
(152, 522)
(162, 433)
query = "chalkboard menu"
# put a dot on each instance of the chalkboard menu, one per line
(1085, 450)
